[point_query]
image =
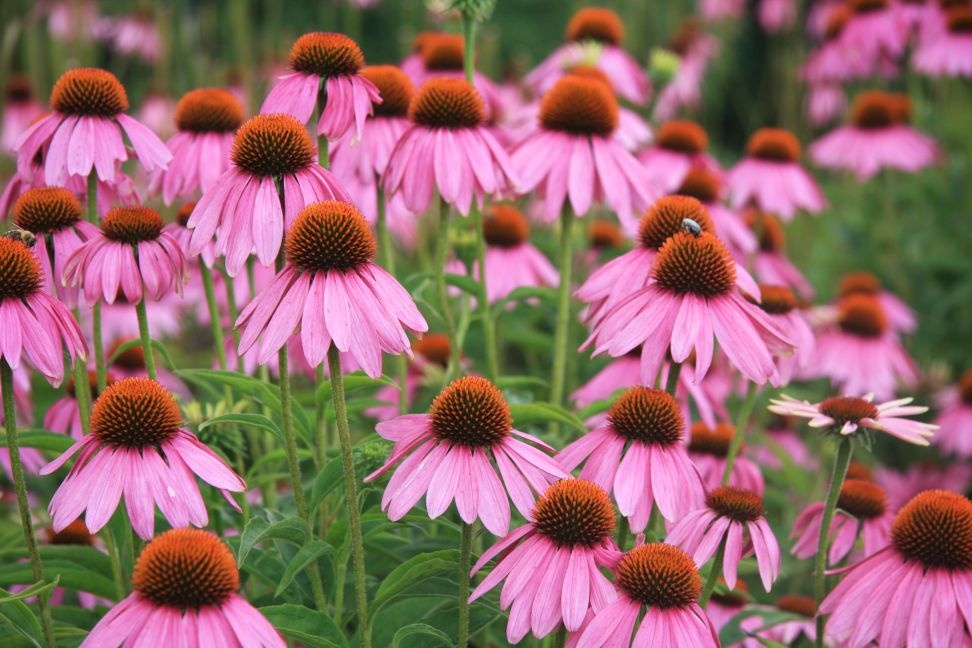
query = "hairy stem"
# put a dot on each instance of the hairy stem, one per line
(841, 461)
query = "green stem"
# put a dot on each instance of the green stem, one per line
(465, 564)
(562, 330)
(320, 419)
(20, 486)
(469, 44)
(713, 577)
(350, 491)
(841, 461)
(233, 314)
(214, 317)
(143, 331)
(442, 253)
(482, 301)
(101, 371)
(674, 370)
(91, 206)
(384, 239)
(737, 439)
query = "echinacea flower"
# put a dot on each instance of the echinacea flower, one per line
(179, 230)
(511, 260)
(707, 186)
(36, 326)
(84, 133)
(430, 358)
(638, 454)
(573, 156)
(874, 32)
(206, 118)
(878, 137)
(663, 582)
(900, 315)
(132, 254)
(331, 291)
(770, 262)
(716, 10)
(862, 511)
(826, 102)
(955, 418)
(443, 55)
(53, 215)
(694, 48)
(730, 515)
(915, 592)
(448, 149)
(781, 305)
(184, 593)
(860, 352)
(454, 452)
(708, 448)
(691, 299)
(948, 52)
(901, 486)
(679, 146)
(846, 415)
(138, 448)
(551, 565)
(624, 275)
(804, 608)
(243, 209)
(594, 32)
(777, 15)
(325, 72)
(770, 176)
(31, 458)
(20, 109)
(723, 607)
(64, 415)
(136, 34)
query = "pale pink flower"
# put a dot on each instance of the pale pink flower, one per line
(31, 458)
(638, 454)
(331, 291)
(64, 415)
(770, 261)
(551, 565)
(715, 10)
(679, 147)
(900, 315)
(84, 133)
(134, 35)
(787, 632)
(454, 452)
(826, 102)
(874, 31)
(185, 584)
(777, 15)
(427, 366)
(138, 448)
(782, 307)
(694, 50)
(708, 448)
(730, 515)
(20, 109)
(325, 71)
(927, 475)
(955, 418)
(948, 51)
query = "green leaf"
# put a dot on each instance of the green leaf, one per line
(326, 481)
(523, 293)
(72, 576)
(733, 633)
(291, 529)
(464, 283)
(131, 344)
(19, 617)
(525, 413)
(413, 571)
(597, 407)
(352, 382)
(251, 420)
(41, 439)
(307, 626)
(520, 382)
(33, 590)
(420, 634)
(307, 554)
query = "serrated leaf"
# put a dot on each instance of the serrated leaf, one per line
(526, 413)
(305, 556)
(307, 626)
(412, 571)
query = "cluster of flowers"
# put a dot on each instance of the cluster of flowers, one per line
(705, 304)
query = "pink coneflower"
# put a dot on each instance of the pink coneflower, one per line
(131, 254)
(135, 35)
(552, 564)
(874, 31)
(243, 209)
(782, 445)
(730, 515)
(782, 307)
(878, 137)
(84, 133)
(601, 30)
(694, 49)
(630, 272)
(443, 55)
(770, 176)
(955, 418)
(332, 291)
(449, 149)
(770, 261)
(511, 260)
(53, 215)
(130, 363)
(679, 147)
(777, 15)
(832, 62)
(449, 454)
(157, 112)
(429, 361)
(716, 10)
(63, 415)
(948, 53)
(692, 299)
(926, 475)
(664, 579)
(900, 315)
(825, 103)
(706, 186)
(75, 534)
(574, 157)
(185, 584)
(861, 353)
(36, 326)
(723, 607)
(638, 454)
(179, 230)
(786, 632)
(708, 448)
(206, 118)
(138, 448)
(325, 71)
(31, 458)
(862, 511)
(915, 592)
(20, 109)
(846, 415)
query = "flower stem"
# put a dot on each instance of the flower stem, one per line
(101, 371)
(713, 577)
(465, 563)
(482, 300)
(562, 330)
(674, 370)
(469, 53)
(442, 253)
(143, 331)
(214, 317)
(388, 262)
(233, 314)
(350, 492)
(841, 461)
(744, 411)
(20, 486)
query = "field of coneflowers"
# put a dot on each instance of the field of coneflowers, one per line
(410, 324)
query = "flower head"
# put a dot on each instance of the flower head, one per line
(708, 448)
(847, 414)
